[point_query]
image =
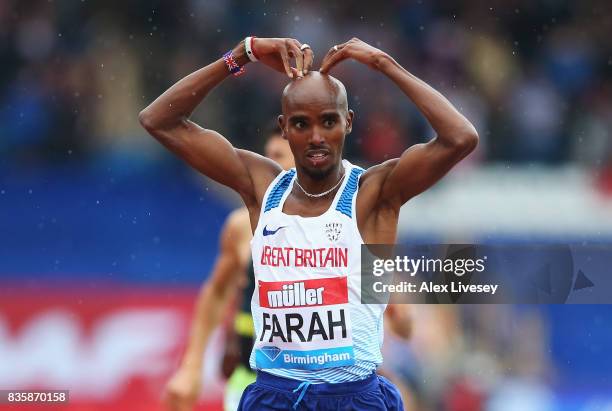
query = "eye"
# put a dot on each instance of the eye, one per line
(329, 123)
(300, 124)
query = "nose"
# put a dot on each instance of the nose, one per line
(317, 138)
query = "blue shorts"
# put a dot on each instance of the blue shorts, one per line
(270, 392)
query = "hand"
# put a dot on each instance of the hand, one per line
(278, 52)
(182, 391)
(355, 49)
(400, 320)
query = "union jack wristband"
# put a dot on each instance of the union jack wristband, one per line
(231, 64)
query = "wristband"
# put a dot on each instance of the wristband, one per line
(231, 64)
(248, 47)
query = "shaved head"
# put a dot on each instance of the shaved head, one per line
(315, 121)
(315, 88)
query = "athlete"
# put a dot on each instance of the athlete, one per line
(317, 347)
(214, 301)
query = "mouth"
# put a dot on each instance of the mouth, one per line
(317, 157)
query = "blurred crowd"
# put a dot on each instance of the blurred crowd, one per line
(534, 77)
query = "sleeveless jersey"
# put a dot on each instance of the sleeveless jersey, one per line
(309, 322)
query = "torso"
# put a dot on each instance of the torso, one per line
(288, 230)
(376, 220)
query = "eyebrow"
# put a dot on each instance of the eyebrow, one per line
(298, 117)
(330, 114)
(303, 117)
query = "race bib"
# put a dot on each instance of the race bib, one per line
(305, 324)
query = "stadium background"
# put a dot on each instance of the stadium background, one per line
(105, 237)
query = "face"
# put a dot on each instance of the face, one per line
(315, 121)
(277, 149)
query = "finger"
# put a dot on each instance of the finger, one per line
(285, 58)
(327, 55)
(299, 58)
(334, 58)
(308, 60)
(332, 51)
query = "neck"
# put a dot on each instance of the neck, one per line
(315, 184)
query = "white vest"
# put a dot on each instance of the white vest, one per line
(309, 322)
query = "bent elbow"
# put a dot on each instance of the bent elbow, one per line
(146, 121)
(466, 141)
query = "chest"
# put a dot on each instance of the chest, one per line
(294, 205)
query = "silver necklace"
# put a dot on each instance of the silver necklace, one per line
(320, 194)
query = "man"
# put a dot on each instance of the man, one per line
(214, 301)
(231, 266)
(317, 347)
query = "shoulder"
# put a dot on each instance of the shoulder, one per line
(262, 172)
(237, 218)
(376, 217)
(236, 234)
(372, 180)
(237, 226)
(378, 172)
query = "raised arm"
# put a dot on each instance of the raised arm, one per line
(167, 119)
(421, 165)
(212, 304)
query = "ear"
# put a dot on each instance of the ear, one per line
(281, 124)
(349, 121)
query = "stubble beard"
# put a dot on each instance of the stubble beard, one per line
(319, 174)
